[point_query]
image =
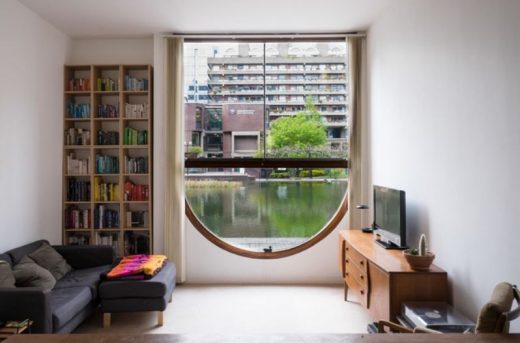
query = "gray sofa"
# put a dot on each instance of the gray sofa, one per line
(72, 299)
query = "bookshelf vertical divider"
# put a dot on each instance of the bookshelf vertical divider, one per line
(108, 116)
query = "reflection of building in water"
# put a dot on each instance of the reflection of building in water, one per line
(245, 211)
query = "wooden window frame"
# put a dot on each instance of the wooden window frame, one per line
(267, 163)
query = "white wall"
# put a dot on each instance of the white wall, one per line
(31, 109)
(445, 120)
(111, 51)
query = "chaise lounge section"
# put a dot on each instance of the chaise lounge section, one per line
(73, 298)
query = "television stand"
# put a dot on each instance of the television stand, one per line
(381, 279)
(389, 245)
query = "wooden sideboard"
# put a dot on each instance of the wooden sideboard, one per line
(381, 279)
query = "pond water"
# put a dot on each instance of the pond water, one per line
(266, 209)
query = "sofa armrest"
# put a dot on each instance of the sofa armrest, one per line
(86, 256)
(27, 302)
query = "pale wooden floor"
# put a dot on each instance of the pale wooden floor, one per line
(244, 310)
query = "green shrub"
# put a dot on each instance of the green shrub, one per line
(280, 175)
(315, 173)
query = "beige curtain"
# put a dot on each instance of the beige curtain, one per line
(358, 192)
(174, 237)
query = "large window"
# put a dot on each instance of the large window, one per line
(266, 163)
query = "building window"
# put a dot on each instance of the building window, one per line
(271, 180)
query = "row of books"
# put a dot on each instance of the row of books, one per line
(78, 110)
(135, 137)
(74, 136)
(135, 84)
(78, 190)
(108, 239)
(106, 164)
(105, 218)
(136, 165)
(135, 192)
(108, 111)
(76, 218)
(78, 239)
(105, 191)
(79, 85)
(137, 218)
(137, 243)
(107, 137)
(106, 84)
(136, 110)
(77, 166)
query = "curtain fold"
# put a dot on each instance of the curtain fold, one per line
(174, 235)
(357, 188)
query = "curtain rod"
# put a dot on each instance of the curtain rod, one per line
(263, 35)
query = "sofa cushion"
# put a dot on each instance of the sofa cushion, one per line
(47, 257)
(7, 279)
(18, 253)
(29, 274)
(5, 257)
(66, 303)
(88, 277)
(155, 287)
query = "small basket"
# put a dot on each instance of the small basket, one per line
(417, 262)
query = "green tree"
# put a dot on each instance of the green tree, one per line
(299, 135)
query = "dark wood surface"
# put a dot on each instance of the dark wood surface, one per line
(263, 338)
(381, 280)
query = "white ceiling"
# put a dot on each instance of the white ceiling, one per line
(131, 18)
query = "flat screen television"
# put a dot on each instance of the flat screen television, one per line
(390, 217)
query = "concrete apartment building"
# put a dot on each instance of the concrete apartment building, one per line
(231, 122)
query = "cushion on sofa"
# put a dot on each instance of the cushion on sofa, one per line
(155, 287)
(47, 257)
(88, 277)
(68, 302)
(5, 257)
(29, 274)
(17, 254)
(7, 279)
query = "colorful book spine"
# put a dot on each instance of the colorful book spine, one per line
(108, 111)
(78, 190)
(106, 164)
(136, 165)
(105, 218)
(136, 111)
(105, 191)
(74, 136)
(134, 192)
(77, 166)
(76, 218)
(79, 85)
(135, 137)
(135, 84)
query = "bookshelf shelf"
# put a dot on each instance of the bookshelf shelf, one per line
(108, 104)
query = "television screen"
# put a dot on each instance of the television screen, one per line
(390, 215)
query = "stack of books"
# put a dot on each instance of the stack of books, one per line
(14, 327)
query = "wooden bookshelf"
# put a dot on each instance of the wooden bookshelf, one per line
(108, 123)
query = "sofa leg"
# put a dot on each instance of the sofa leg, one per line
(106, 320)
(160, 318)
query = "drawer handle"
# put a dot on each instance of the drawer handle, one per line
(361, 262)
(346, 273)
(362, 291)
(361, 277)
(347, 261)
(346, 249)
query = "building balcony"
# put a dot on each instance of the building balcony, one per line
(305, 82)
(303, 72)
(304, 92)
(302, 102)
(337, 140)
(235, 72)
(276, 60)
(235, 82)
(335, 123)
(250, 92)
